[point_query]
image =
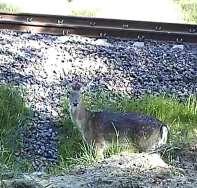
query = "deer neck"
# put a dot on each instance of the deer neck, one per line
(80, 116)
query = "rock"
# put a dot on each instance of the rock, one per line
(38, 174)
(7, 175)
(195, 166)
(138, 44)
(20, 183)
(44, 64)
(102, 42)
(179, 47)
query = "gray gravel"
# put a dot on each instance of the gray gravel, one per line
(44, 64)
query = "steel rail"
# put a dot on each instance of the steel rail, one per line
(102, 27)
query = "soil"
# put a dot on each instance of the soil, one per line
(123, 170)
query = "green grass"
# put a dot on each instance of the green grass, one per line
(73, 150)
(84, 12)
(181, 117)
(189, 9)
(8, 8)
(13, 116)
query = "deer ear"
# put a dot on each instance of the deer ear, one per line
(83, 89)
(88, 85)
(68, 86)
(76, 86)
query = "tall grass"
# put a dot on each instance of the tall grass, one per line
(181, 117)
(13, 111)
(84, 12)
(8, 8)
(189, 9)
(13, 116)
(73, 150)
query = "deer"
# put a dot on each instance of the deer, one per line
(100, 128)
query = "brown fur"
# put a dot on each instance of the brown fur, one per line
(101, 128)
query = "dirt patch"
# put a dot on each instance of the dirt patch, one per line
(124, 170)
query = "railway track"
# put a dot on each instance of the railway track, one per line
(99, 27)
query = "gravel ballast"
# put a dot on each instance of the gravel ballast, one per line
(45, 64)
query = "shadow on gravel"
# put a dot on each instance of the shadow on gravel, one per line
(9, 76)
(40, 141)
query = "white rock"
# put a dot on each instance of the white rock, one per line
(178, 46)
(102, 42)
(138, 44)
(38, 174)
(62, 39)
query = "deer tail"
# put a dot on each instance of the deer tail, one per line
(164, 131)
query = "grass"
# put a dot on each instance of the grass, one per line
(189, 9)
(73, 150)
(8, 8)
(84, 12)
(13, 116)
(181, 117)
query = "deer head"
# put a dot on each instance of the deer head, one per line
(74, 95)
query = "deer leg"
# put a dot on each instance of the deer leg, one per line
(99, 150)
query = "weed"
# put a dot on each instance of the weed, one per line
(189, 9)
(84, 12)
(181, 117)
(13, 116)
(73, 150)
(8, 8)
